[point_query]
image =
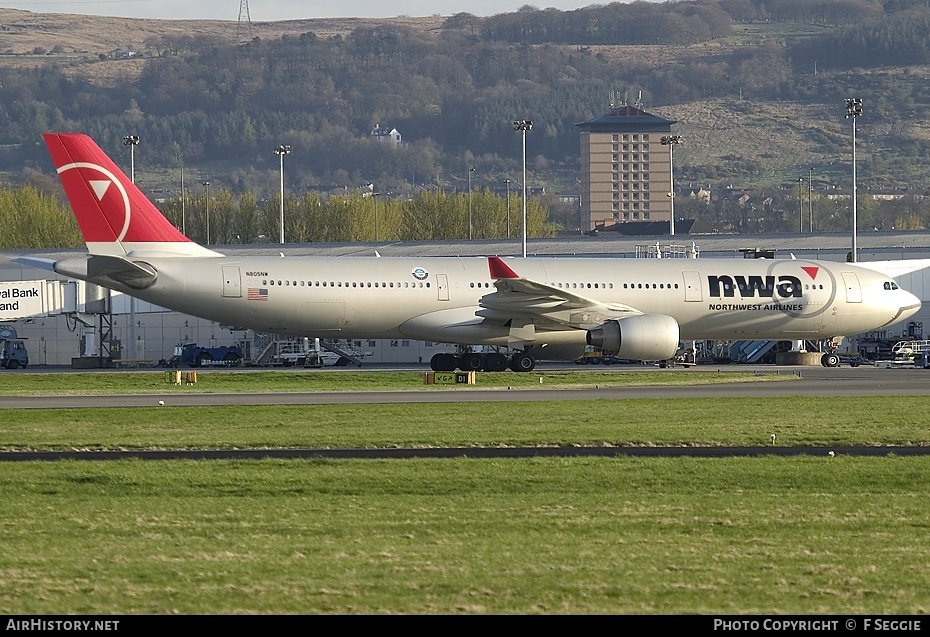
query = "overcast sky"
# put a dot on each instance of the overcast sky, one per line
(272, 10)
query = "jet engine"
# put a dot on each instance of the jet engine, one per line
(646, 337)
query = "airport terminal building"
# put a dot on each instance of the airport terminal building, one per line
(68, 323)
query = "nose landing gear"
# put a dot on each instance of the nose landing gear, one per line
(830, 360)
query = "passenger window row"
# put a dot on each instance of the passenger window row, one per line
(651, 286)
(347, 284)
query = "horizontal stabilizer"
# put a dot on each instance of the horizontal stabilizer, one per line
(135, 274)
(36, 262)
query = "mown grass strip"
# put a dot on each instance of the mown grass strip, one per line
(682, 536)
(704, 421)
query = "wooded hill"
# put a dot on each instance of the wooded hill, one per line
(757, 88)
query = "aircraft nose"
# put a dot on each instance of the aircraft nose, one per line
(909, 304)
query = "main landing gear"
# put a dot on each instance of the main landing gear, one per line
(488, 362)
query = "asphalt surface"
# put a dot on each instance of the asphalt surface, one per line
(806, 381)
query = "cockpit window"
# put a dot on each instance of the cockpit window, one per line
(891, 285)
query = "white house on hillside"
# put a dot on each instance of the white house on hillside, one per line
(380, 134)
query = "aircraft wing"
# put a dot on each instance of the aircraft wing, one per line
(521, 300)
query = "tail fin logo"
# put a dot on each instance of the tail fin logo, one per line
(811, 271)
(100, 187)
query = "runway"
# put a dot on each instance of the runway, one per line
(806, 381)
(819, 382)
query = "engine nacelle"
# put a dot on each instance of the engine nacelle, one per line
(647, 337)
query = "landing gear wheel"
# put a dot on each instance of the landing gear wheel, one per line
(443, 362)
(471, 362)
(495, 363)
(522, 362)
(830, 360)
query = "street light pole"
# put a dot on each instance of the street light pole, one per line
(523, 125)
(470, 226)
(507, 181)
(810, 201)
(374, 198)
(132, 141)
(800, 206)
(854, 110)
(183, 209)
(206, 203)
(670, 141)
(281, 151)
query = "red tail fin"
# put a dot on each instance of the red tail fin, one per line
(113, 214)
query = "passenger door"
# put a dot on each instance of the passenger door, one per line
(232, 287)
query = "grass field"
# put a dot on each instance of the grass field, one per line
(798, 535)
(775, 535)
(708, 421)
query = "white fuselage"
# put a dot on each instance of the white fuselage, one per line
(640, 308)
(436, 299)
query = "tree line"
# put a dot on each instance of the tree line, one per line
(358, 216)
(781, 211)
(34, 219)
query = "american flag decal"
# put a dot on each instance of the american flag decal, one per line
(258, 294)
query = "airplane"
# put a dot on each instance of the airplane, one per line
(536, 308)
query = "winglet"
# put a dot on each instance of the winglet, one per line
(500, 270)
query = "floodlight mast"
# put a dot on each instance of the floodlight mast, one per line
(470, 226)
(132, 141)
(854, 110)
(206, 205)
(523, 125)
(507, 182)
(670, 141)
(800, 206)
(374, 199)
(810, 200)
(281, 151)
